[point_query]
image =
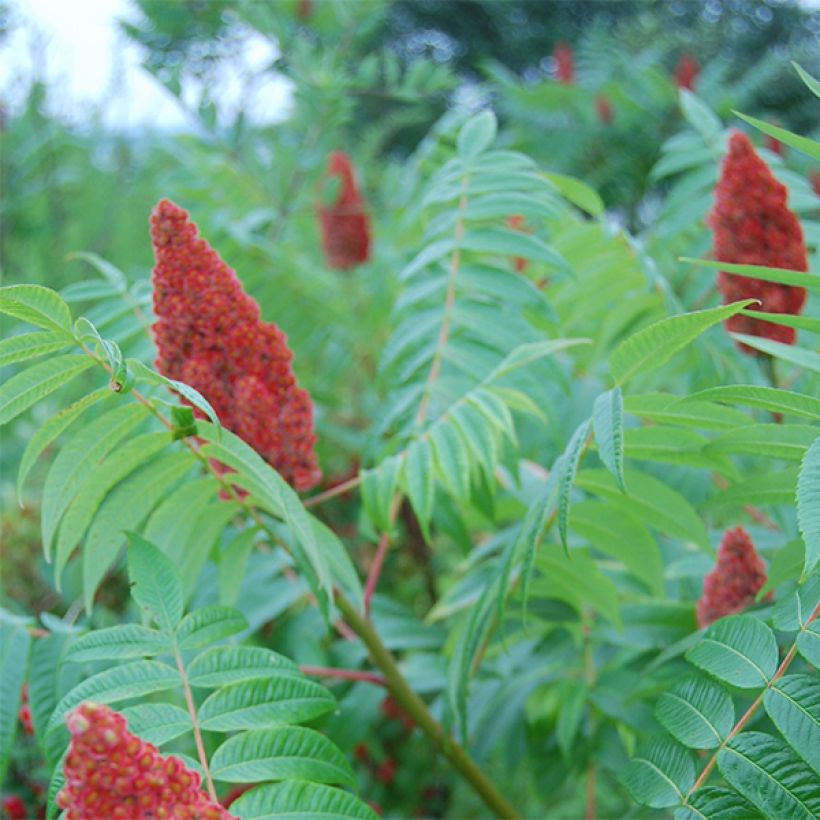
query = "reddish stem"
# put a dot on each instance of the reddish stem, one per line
(343, 674)
(375, 571)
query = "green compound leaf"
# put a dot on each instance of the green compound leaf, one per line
(288, 752)
(653, 346)
(793, 703)
(131, 680)
(222, 665)
(300, 800)
(208, 625)
(661, 775)
(116, 643)
(739, 650)
(36, 305)
(697, 712)
(770, 775)
(265, 702)
(27, 388)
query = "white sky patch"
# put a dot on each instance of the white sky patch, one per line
(90, 66)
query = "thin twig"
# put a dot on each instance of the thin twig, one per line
(332, 492)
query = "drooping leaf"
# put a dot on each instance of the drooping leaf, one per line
(739, 650)
(155, 583)
(765, 771)
(288, 752)
(653, 346)
(565, 468)
(697, 712)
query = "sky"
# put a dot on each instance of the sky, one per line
(77, 45)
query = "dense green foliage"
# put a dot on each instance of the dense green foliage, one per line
(533, 435)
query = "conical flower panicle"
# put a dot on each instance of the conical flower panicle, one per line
(209, 335)
(345, 224)
(686, 71)
(735, 581)
(564, 63)
(753, 225)
(111, 773)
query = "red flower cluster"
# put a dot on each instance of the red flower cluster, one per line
(14, 808)
(737, 577)
(753, 226)
(112, 773)
(210, 336)
(345, 224)
(604, 109)
(686, 71)
(564, 63)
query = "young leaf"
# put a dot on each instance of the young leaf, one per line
(289, 752)
(36, 305)
(739, 650)
(565, 467)
(661, 775)
(208, 625)
(298, 798)
(27, 388)
(130, 680)
(155, 583)
(793, 704)
(765, 771)
(697, 712)
(653, 346)
(222, 665)
(264, 702)
(608, 423)
(476, 135)
(808, 505)
(116, 643)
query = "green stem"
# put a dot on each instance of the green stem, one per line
(417, 709)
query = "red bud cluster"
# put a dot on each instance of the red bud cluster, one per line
(14, 808)
(111, 773)
(209, 335)
(736, 579)
(686, 71)
(345, 224)
(753, 226)
(564, 63)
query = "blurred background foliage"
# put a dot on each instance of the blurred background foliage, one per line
(389, 83)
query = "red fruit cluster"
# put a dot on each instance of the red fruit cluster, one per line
(111, 773)
(686, 71)
(564, 63)
(24, 714)
(753, 226)
(345, 224)
(603, 109)
(736, 579)
(209, 335)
